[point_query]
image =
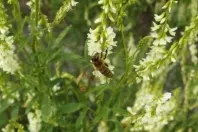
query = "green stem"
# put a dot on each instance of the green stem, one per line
(124, 76)
(37, 12)
(186, 82)
(125, 48)
(186, 89)
(35, 43)
(184, 77)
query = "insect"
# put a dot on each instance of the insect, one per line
(98, 62)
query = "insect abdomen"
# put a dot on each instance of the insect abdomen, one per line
(105, 71)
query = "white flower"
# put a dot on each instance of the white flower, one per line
(155, 27)
(126, 120)
(162, 41)
(67, 6)
(173, 59)
(172, 31)
(163, 20)
(98, 20)
(32, 5)
(166, 97)
(157, 111)
(146, 78)
(145, 69)
(4, 30)
(29, 3)
(34, 121)
(8, 60)
(129, 109)
(73, 3)
(94, 47)
(8, 128)
(102, 127)
(106, 9)
(101, 77)
(168, 39)
(110, 35)
(93, 44)
(159, 18)
(98, 42)
(100, 2)
(154, 34)
(165, 6)
(109, 8)
(112, 7)
(56, 87)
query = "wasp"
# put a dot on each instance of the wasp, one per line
(101, 65)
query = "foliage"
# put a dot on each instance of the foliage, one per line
(48, 81)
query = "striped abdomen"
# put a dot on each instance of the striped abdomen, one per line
(105, 71)
(101, 66)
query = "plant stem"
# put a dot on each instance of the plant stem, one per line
(37, 12)
(184, 77)
(125, 49)
(35, 43)
(186, 80)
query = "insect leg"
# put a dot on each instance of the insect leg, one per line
(101, 55)
(106, 51)
(106, 64)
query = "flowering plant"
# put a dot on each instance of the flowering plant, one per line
(104, 65)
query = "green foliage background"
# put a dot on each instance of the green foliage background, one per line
(60, 57)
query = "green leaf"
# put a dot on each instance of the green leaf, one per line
(118, 126)
(80, 120)
(4, 104)
(14, 113)
(3, 119)
(46, 108)
(30, 104)
(103, 113)
(74, 58)
(145, 42)
(62, 35)
(69, 57)
(120, 111)
(142, 47)
(99, 90)
(71, 107)
(56, 55)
